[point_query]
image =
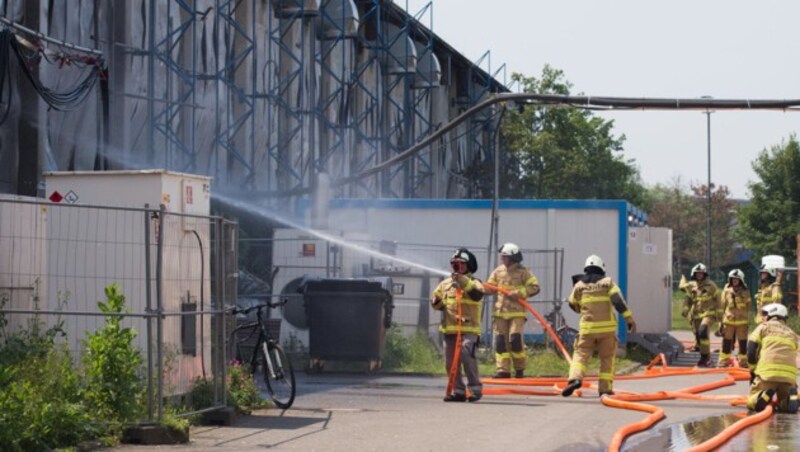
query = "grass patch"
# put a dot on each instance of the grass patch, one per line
(415, 354)
(543, 362)
(678, 321)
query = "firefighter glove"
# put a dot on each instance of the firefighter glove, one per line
(461, 280)
(752, 377)
(631, 325)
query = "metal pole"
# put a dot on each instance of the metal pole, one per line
(708, 192)
(148, 306)
(160, 309)
(151, 76)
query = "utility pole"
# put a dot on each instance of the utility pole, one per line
(708, 187)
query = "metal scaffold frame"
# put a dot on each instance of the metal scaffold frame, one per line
(236, 93)
(176, 104)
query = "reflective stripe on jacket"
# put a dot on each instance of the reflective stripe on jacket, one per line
(444, 299)
(768, 293)
(514, 277)
(777, 352)
(594, 302)
(703, 298)
(735, 305)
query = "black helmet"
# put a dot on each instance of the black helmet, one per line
(466, 255)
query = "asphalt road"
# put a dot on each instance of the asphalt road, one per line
(358, 412)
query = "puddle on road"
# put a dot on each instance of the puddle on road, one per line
(781, 432)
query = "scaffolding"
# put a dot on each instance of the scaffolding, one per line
(273, 98)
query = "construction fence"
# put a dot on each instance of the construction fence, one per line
(176, 271)
(281, 263)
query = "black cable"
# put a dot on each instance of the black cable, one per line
(61, 101)
(5, 75)
(202, 299)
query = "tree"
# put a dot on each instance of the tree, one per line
(769, 223)
(554, 152)
(683, 209)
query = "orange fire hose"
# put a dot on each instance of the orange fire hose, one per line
(538, 317)
(656, 414)
(632, 401)
(451, 381)
(732, 430)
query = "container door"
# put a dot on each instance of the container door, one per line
(650, 278)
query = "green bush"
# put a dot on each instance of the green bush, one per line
(411, 354)
(112, 365)
(42, 405)
(243, 395)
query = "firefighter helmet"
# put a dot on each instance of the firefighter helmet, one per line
(466, 255)
(775, 310)
(738, 274)
(770, 270)
(511, 250)
(699, 268)
(594, 261)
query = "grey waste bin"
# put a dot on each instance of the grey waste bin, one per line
(347, 319)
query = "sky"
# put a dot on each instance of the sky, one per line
(678, 49)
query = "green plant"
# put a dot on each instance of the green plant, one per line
(112, 364)
(42, 406)
(242, 391)
(411, 354)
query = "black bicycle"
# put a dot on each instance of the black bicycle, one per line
(558, 323)
(268, 360)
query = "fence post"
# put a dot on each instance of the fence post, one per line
(148, 311)
(220, 297)
(160, 309)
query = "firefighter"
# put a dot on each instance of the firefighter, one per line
(509, 315)
(445, 299)
(735, 318)
(772, 354)
(596, 297)
(769, 291)
(702, 299)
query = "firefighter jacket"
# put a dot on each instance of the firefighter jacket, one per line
(445, 299)
(767, 294)
(517, 278)
(596, 297)
(703, 299)
(735, 305)
(772, 352)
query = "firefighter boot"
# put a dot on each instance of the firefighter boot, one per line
(475, 396)
(571, 387)
(456, 398)
(764, 399)
(792, 404)
(519, 373)
(705, 361)
(501, 374)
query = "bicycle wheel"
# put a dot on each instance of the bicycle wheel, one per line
(279, 376)
(568, 336)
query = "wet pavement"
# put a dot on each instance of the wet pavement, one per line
(780, 433)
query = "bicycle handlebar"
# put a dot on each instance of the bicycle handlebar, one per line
(270, 305)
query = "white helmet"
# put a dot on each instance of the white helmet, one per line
(770, 270)
(699, 268)
(775, 310)
(738, 274)
(595, 261)
(511, 250)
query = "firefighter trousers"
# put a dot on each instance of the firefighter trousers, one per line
(703, 334)
(585, 346)
(469, 363)
(508, 345)
(782, 390)
(731, 334)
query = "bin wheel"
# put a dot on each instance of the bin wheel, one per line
(374, 366)
(316, 366)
